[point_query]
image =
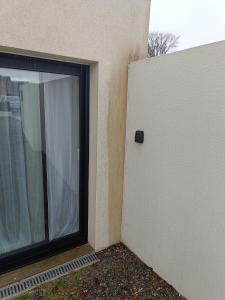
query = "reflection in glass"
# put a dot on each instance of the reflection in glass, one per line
(21, 184)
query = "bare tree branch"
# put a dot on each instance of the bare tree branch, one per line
(161, 43)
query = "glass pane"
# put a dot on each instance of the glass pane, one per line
(26, 99)
(61, 97)
(21, 181)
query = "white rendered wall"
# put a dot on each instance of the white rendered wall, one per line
(174, 190)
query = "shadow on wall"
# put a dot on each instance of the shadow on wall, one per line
(116, 143)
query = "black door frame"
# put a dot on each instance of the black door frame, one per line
(38, 251)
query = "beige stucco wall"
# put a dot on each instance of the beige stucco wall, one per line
(174, 195)
(108, 34)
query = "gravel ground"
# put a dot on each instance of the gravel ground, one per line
(118, 275)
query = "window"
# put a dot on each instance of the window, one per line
(43, 130)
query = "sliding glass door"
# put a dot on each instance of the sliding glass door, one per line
(43, 158)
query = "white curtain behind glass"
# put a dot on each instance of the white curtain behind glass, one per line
(14, 217)
(21, 182)
(21, 175)
(62, 143)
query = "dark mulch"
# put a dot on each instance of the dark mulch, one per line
(119, 275)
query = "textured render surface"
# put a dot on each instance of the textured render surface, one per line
(109, 34)
(174, 196)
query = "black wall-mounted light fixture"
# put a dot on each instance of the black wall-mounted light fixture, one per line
(139, 136)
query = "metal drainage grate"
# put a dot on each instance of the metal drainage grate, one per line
(25, 285)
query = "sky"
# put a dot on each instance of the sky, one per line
(197, 22)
